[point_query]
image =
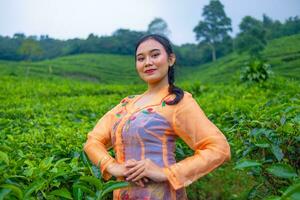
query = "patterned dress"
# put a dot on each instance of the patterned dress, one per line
(150, 132)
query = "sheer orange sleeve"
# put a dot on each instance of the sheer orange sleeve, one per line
(98, 141)
(210, 146)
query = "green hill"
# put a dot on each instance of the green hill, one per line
(283, 54)
(104, 68)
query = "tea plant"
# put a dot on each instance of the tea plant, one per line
(256, 71)
(44, 124)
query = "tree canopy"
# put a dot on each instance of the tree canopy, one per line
(215, 26)
(159, 26)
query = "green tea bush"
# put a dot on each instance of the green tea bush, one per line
(44, 124)
(256, 71)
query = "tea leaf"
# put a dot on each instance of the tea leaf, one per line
(63, 192)
(282, 170)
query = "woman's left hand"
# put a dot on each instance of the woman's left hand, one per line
(144, 168)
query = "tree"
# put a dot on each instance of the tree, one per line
(273, 27)
(159, 26)
(252, 37)
(215, 26)
(31, 49)
(20, 36)
(192, 54)
(125, 40)
(291, 26)
(91, 44)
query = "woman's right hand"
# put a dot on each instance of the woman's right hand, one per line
(118, 170)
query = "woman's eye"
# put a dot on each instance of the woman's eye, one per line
(140, 59)
(155, 55)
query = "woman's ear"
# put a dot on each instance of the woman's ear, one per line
(172, 59)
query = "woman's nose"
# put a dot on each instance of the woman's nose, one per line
(148, 60)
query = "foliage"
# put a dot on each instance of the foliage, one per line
(215, 26)
(256, 71)
(159, 26)
(252, 38)
(197, 88)
(104, 68)
(42, 134)
(30, 49)
(282, 54)
(192, 54)
(262, 124)
(122, 41)
(44, 122)
(276, 29)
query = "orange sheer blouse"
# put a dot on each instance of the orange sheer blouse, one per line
(150, 132)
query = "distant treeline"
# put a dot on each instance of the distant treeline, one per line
(214, 40)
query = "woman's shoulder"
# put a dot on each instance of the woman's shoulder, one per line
(187, 99)
(187, 94)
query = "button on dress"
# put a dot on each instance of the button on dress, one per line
(150, 132)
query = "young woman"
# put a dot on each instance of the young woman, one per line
(143, 129)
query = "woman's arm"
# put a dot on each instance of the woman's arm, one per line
(210, 145)
(98, 141)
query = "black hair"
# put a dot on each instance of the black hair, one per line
(165, 42)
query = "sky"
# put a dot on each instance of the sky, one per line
(65, 19)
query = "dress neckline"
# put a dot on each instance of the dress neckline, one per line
(161, 95)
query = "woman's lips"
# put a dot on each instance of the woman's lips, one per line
(150, 71)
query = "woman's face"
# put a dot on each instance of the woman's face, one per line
(152, 61)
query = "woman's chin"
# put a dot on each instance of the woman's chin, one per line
(151, 80)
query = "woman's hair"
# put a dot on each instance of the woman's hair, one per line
(165, 42)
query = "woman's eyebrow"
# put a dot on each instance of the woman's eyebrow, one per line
(150, 51)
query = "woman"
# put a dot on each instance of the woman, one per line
(143, 128)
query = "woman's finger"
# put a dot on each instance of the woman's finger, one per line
(131, 163)
(133, 169)
(140, 183)
(140, 176)
(135, 173)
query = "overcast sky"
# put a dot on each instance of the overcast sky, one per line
(65, 19)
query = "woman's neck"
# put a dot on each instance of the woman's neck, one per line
(156, 88)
